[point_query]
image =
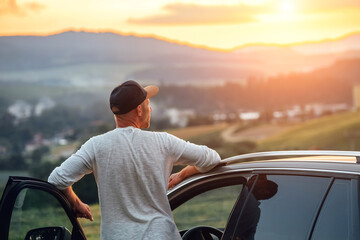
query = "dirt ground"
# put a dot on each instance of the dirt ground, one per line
(256, 133)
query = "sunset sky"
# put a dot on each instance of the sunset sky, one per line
(222, 24)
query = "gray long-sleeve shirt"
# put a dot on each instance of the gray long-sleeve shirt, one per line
(132, 168)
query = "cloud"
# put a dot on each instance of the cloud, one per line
(12, 7)
(34, 6)
(325, 5)
(193, 14)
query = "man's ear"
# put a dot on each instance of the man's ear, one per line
(139, 110)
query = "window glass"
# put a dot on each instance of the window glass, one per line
(280, 207)
(36, 209)
(211, 208)
(334, 220)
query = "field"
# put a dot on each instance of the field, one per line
(190, 132)
(30, 92)
(64, 151)
(254, 132)
(213, 211)
(334, 132)
(92, 229)
(208, 208)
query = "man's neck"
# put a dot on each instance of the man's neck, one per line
(128, 120)
(126, 124)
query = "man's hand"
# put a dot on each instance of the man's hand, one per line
(184, 173)
(174, 180)
(81, 209)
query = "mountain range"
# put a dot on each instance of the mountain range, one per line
(86, 58)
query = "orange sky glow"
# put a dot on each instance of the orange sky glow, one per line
(220, 24)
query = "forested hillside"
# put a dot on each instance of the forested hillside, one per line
(333, 84)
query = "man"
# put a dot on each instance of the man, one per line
(132, 169)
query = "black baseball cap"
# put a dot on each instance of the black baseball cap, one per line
(129, 95)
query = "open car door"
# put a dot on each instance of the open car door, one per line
(35, 209)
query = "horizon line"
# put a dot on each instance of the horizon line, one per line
(184, 43)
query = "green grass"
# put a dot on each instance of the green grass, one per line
(340, 132)
(58, 151)
(36, 209)
(92, 229)
(30, 92)
(207, 209)
(4, 176)
(336, 132)
(333, 132)
(225, 149)
(24, 220)
(211, 208)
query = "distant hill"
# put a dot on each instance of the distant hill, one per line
(330, 84)
(85, 58)
(327, 85)
(28, 52)
(351, 42)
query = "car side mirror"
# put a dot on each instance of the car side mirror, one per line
(49, 233)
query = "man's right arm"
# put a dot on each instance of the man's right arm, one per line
(199, 159)
(200, 156)
(179, 176)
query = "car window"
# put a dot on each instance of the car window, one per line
(279, 207)
(335, 220)
(211, 208)
(36, 209)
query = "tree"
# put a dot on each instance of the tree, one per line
(38, 154)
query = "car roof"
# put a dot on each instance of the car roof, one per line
(325, 155)
(330, 161)
(308, 162)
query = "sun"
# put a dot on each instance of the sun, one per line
(286, 7)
